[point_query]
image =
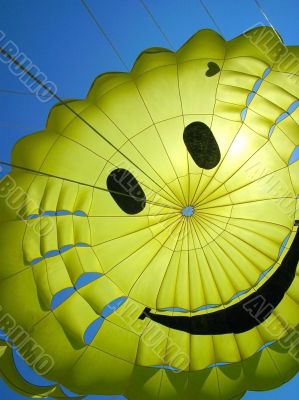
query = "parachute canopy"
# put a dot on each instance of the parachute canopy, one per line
(150, 229)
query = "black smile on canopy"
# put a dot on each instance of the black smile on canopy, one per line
(242, 316)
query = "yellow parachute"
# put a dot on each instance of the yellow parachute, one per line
(148, 236)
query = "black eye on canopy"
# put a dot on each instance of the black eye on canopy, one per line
(202, 145)
(126, 191)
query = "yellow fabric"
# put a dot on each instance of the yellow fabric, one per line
(245, 208)
(11, 377)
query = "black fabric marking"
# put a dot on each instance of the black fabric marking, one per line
(202, 145)
(144, 313)
(246, 314)
(126, 191)
(213, 69)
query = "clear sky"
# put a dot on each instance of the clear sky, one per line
(62, 40)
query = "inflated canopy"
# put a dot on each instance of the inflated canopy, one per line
(148, 236)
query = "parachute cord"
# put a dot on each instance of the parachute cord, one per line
(27, 72)
(16, 92)
(6, 164)
(91, 14)
(211, 16)
(101, 30)
(267, 19)
(10, 126)
(156, 23)
(50, 91)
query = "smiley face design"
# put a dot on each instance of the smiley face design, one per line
(149, 235)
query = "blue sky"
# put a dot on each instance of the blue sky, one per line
(62, 40)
